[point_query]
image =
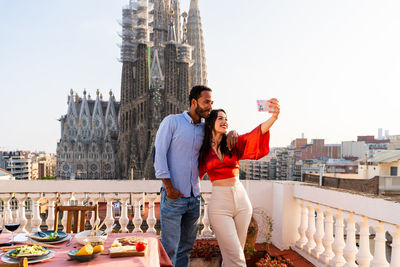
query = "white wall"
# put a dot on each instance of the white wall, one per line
(354, 149)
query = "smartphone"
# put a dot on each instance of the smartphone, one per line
(264, 106)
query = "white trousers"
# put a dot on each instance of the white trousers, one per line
(229, 212)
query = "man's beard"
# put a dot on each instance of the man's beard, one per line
(203, 113)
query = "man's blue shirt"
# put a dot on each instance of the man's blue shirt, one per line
(178, 143)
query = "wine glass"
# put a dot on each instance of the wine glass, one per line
(12, 225)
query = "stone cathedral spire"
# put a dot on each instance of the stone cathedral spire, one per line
(195, 39)
(155, 80)
(177, 14)
(160, 24)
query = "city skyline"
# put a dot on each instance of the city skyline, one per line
(334, 66)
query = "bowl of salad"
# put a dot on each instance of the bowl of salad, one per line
(30, 252)
(48, 236)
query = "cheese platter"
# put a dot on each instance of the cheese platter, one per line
(128, 247)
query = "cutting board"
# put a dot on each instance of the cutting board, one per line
(129, 253)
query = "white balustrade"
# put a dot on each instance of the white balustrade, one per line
(338, 244)
(137, 219)
(51, 197)
(319, 233)
(380, 246)
(350, 249)
(94, 197)
(7, 214)
(364, 256)
(206, 232)
(310, 230)
(124, 220)
(36, 221)
(327, 255)
(303, 226)
(109, 220)
(65, 201)
(151, 217)
(21, 197)
(395, 259)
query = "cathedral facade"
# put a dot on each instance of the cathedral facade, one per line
(162, 55)
(158, 70)
(89, 138)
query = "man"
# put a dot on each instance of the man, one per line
(177, 146)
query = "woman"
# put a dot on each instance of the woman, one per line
(229, 209)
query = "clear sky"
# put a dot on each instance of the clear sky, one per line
(334, 65)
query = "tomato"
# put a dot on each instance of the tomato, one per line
(141, 246)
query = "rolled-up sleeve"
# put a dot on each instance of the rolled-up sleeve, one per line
(163, 141)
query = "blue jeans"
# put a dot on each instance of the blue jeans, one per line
(180, 220)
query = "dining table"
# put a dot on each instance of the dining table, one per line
(155, 254)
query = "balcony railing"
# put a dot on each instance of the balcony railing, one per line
(327, 227)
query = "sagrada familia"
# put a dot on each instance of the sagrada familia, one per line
(163, 56)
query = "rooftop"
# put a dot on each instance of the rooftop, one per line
(306, 218)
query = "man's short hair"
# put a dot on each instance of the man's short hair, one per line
(196, 92)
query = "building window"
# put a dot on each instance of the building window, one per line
(393, 171)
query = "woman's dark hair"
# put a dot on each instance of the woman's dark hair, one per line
(208, 131)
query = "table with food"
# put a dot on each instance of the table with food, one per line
(96, 248)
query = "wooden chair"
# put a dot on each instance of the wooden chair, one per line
(23, 263)
(74, 211)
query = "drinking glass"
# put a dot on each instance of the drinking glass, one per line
(12, 225)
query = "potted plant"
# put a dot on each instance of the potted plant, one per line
(252, 233)
(205, 253)
(278, 261)
(260, 223)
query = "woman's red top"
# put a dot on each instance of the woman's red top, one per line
(252, 145)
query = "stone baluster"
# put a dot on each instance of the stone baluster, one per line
(36, 221)
(380, 246)
(350, 249)
(7, 214)
(338, 243)
(395, 260)
(364, 256)
(319, 234)
(21, 197)
(80, 197)
(51, 197)
(124, 220)
(94, 197)
(327, 255)
(206, 232)
(109, 220)
(303, 226)
(151, 217)
(310, 229)
(137, 219)
(65, 198)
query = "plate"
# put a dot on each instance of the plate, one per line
(61, 235)
(53, 242)
(29, 257)
(83, 237)
(81, 258)
(7, 259)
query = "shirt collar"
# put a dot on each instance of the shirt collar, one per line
(189, 119)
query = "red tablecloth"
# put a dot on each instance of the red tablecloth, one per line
(156, 255)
